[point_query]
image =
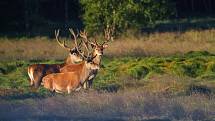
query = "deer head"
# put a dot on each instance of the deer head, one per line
(98, 48)
(74, 55)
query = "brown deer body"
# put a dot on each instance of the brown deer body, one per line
(37, 71)
(69, 81)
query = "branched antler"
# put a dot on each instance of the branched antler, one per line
(61, 44)
(75, 39)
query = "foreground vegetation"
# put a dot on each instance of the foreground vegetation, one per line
(190, 73)
(129, 105)
(145, 88)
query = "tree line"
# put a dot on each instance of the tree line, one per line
(41, 16)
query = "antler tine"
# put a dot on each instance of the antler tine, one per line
(74, 36)
(95, 41)
(76, 44)
(108, 34)
(112, 32)
(83, 34)
(86, 41)
(61, 44)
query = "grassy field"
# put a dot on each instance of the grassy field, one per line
(136, 45)
(194, 71)
(130, 105)
(163, 76)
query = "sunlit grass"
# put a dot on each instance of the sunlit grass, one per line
(154, 44)
(125, 105)
(172, 74)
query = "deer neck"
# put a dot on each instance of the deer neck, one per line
(84, 73)
(97, 59)
(68, 60)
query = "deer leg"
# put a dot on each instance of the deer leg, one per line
(58, 91)
(90, 81)
(30, 74)
(69, 91)
(85, 85)
(77, 89)
(31, 83)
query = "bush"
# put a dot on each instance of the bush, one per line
(195, 69)
(138, 71)
(123, 14)
(198, 53)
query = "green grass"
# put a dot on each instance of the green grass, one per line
(191, 67)
(148, 73)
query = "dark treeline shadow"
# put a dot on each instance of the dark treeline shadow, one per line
(31, 18)
(182, 25)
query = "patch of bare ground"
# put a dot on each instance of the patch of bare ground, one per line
(130, 105)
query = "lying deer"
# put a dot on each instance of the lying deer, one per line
(37, 71)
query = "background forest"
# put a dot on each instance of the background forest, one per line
(40, 17)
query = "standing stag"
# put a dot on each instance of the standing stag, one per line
(97, 51)
(37, 71)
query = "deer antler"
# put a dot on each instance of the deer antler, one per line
(86, 41)
(75, 39)
(108, 32)
(61, 44)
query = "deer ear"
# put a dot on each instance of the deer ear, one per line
(105, 45)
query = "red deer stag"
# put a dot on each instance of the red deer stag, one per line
(37, 71)
(72, 76)
(97, 51)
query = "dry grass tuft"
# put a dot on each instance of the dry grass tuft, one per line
(162, 44)
(35, 48)
(126, 105)
(155, 44)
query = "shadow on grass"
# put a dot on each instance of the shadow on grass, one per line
(36, 118)
(65, 118)
(175, 25)
(15, 94)
(200, 90)
(22, 96)
(110, 88)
